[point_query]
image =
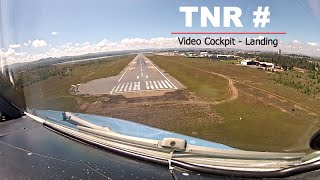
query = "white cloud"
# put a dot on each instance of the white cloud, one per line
(86, 43)
(39, 43)
(27, 43)
(74, 49)
(296, 41)
(13, 46)
(54, 33)
(102, 43)
(67, 45)
(312, 44)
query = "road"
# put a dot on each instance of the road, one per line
(140, 75)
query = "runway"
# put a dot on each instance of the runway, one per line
(140, 75)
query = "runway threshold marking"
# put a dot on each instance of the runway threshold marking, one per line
(151, 85)
(160, 85)
(164, 84)
(125, 88)
(112, 90)
(118, 87)
(122, 87)
(155, 85)
(168, 83)
(164, 76)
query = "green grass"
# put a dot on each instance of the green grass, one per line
(210, 88)
(231, 61)
(54, 92)
(262, 126)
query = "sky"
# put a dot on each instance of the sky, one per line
(35, 29)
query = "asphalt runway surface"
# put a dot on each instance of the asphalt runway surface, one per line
(140, 75)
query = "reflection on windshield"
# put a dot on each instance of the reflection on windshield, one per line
(90, 59)
(10, 91)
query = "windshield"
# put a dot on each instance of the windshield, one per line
(213, 73)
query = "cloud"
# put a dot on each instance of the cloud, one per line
(102, 43)
(54, 33)
(312, 44)
(27, 43)
(39, 43)
(296, 41)
(67, 45)
(73, 49)
(13, 46)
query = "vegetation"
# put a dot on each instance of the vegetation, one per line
(307, 83)
(289, 62)
(265, 116)
(49, 87)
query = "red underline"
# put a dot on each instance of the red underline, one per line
(228, 33)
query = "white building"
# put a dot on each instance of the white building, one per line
(203, 54)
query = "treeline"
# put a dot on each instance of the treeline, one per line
(307, 83)
(26, 78)
(31, 77)
(289, 62)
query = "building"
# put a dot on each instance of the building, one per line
(266, 65)
(247, 62)
(203, 54)
(257, 64)
(279, 51)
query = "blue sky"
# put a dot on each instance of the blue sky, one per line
(80, 21)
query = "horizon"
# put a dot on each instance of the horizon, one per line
(82, 28)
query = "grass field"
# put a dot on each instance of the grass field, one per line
(265, 116)
(223, 102)
(54, 92)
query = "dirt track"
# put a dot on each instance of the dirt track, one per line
(233, 90)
